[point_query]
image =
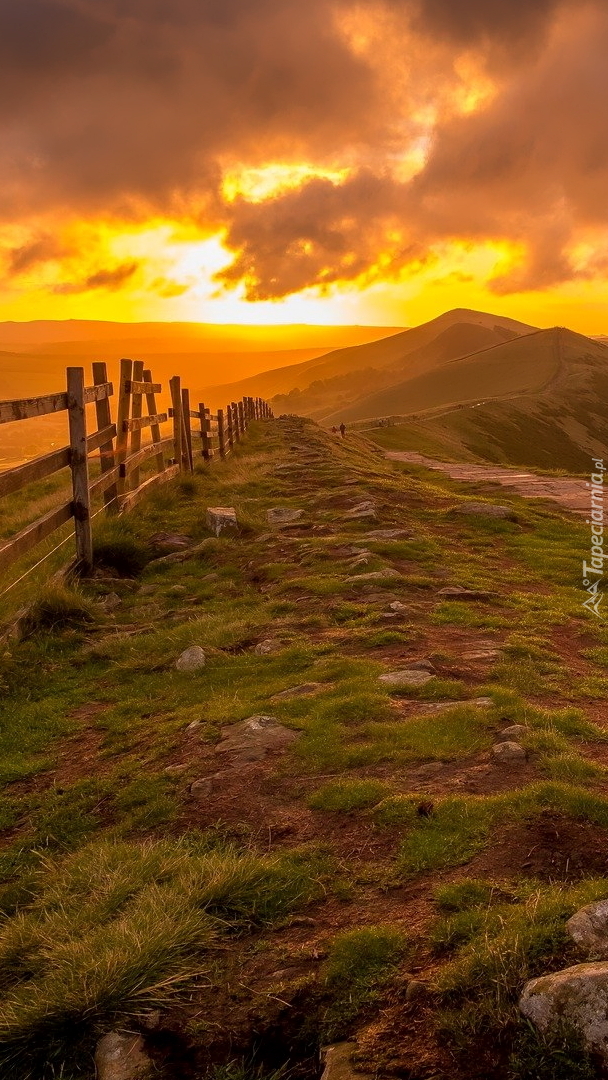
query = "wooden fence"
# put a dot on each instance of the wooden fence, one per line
(117, 446)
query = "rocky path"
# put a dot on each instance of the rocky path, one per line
(569, 492)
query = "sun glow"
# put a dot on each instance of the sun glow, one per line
(256, 184)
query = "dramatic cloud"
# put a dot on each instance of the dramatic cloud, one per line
(480, 120)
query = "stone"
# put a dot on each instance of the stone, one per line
(338, 1064)
(253, 739)
(122, 1057)
(365, 509)
(483, 509)
(416, 990)
(192, 659)
(374, 575)
(481, 654)
(166, 543)
(576, 996)
(194, 726)
(110, 602)
(430, 769)
(266, 647)
(438, 706)
(298, 691)
(516, 731)
(222, 519)
(409, 677)
(508, 753)
(177, 590)
(388, 534)
(175, 770)
(422, 665)
(283, 515)
(588, 928)
(397, 606)
(457, 592)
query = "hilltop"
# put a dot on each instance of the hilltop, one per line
(318, 834)
(320, 381)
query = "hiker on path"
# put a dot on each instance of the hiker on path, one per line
(343, 430)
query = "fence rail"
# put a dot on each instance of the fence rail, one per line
(117, 445)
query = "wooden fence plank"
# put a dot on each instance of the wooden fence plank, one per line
(151, 407)
(145, 385)
(99, 392)
(122, 437)
(187, 428)
(24, 541)
(176, 412)
(148, 485)
(136, 414)
(144, 421)
(220, 432)
(98, 438)
(17, 478)
(106, 482)
(25, 408)
(104, 421)
(149, 450)
(79, 464)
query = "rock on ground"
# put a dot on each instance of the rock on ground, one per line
(222, 519)
(122, 1057)
(588, 928)
(374, 575)
(192, 659)
(508, 752)
(482, 509)
(166, 543)
(283, 515)
(254, 738)
(266, 647)
(457, 592)
(576, 996)
(366, 509)
(514, 732)
(338, 1063)
(409, 677)
(298, 691)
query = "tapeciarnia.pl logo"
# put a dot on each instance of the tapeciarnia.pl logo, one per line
(593, 571)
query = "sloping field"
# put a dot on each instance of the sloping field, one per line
(314, 834)
(523, 365)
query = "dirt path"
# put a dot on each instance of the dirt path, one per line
(569, 492)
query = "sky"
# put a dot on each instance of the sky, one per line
(309, 161)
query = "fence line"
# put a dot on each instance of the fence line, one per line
(119, 448)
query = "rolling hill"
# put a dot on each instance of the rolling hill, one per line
(537, 401)
(319, 386)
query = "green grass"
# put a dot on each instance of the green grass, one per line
(118, 927)
(348, 795)
(359, 962)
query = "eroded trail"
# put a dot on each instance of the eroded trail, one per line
(568, 491)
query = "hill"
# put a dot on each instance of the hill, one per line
(537, 401)
(365, 819)
(321, 384)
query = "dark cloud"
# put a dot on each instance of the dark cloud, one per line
(133, 107)
(102, 279)
(42, 249)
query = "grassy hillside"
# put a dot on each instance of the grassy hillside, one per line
(561, 425)
(376, 874)
(389, 360)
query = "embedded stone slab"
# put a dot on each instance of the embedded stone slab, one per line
(192, 659)
(409, 677)
(280, 516)
(577, 997)
(373, 575)
(458, 592)
(588, 928)
(267, 647)
(122, 1057)
(298, 691)
(253, 739)
(482, 509)
(222, 519)
(338, 1063)
(509, 753)
(365, 509)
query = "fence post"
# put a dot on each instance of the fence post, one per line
(242, 422)
(122, 435)
(236, 422)
(206, 449)
(79, 465)
(187, 430)
(220, 433)
(229, 431)
(136, 411)
(176, 402)
(103, 414)
(155, 428)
